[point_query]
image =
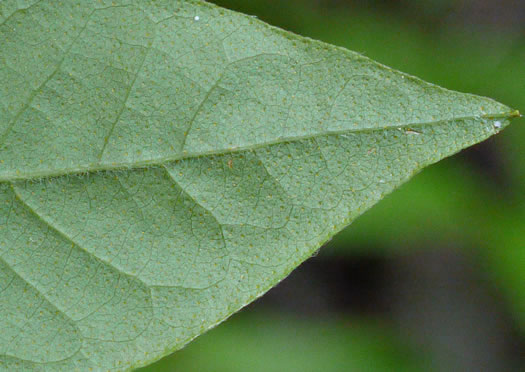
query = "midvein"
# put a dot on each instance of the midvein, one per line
(18, 175)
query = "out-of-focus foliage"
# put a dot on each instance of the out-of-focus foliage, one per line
(266, 343)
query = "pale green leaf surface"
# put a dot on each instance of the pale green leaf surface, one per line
(164, 163)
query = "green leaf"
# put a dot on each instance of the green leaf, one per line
(164, 163)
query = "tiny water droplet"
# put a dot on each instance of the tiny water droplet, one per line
(197, 18)
(497, 124)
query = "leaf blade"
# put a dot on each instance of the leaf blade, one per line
(147, 250)
(142, 114)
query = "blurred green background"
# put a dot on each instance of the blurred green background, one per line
(433, 277)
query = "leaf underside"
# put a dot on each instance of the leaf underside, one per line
(164, 163)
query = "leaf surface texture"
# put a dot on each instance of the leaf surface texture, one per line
(164, 163)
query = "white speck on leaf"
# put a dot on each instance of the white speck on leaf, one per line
(497, 124)
(197, 18)
(412, 131)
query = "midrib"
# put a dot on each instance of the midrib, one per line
(21, 176)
